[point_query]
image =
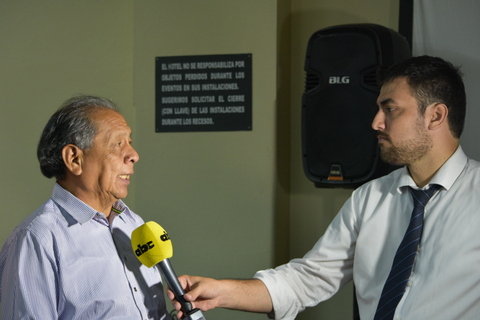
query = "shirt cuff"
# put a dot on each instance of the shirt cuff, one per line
(284, 302)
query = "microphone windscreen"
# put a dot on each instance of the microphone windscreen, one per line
(151, 244)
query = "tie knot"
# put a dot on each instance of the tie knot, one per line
(422, 196)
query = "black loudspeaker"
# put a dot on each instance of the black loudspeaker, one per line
(339, 146)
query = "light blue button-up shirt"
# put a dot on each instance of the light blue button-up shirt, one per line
(67, 261)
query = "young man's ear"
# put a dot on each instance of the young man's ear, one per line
(73, 159)
(437, 113)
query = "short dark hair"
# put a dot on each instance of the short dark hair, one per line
(432, 80)
(70, 124)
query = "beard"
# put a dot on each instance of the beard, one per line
(406, 152)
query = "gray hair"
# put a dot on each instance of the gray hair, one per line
(70, 124)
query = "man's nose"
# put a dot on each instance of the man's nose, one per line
(132, 156)
(378, 122)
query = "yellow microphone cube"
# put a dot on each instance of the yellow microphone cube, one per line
(151, 244)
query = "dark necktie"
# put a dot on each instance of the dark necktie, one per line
(404, 258)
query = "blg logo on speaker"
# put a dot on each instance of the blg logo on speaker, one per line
(339, 80)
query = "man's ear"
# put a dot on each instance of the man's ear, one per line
(73, 159)
(438, 114)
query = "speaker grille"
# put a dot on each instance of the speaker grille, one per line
(370, 79)
(311, 81)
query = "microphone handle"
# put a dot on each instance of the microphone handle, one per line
(195, 314)
(172, 281)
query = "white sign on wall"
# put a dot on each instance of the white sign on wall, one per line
(203, 93)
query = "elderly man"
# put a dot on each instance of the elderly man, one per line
(72, 258)
(408, 240)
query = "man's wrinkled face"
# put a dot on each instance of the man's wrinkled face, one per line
(108, 165)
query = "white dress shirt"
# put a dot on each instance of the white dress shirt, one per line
(362, 240)
(67, 261)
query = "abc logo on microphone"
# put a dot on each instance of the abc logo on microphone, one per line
(151, 244)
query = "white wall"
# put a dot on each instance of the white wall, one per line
(216, 193)
(51, 50)
(449, 29)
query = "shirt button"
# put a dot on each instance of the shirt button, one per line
(135, 289)
(409, 284)
(418, 249)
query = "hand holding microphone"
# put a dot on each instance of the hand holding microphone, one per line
(153, 246)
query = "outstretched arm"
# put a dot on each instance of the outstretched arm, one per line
(206, 294)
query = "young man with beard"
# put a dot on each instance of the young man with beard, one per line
(433, 275)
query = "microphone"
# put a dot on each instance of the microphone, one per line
(153, 246)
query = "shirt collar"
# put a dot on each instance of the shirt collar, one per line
(445, 176)
(81, 211)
